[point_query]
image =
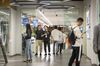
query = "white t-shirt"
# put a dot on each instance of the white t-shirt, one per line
(78, 34)
(55, 34)
(61, 39)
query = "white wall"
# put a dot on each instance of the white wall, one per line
(15, 41)
(92, 4)
(51, 15)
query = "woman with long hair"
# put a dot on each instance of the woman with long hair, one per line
(28, 43)
(46, 39)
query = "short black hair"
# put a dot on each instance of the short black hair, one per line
(55, 27)
(80, 19)
(59, 28)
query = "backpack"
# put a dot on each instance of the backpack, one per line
(71, 38)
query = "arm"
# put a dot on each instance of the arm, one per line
(95, 39)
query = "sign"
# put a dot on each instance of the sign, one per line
(35, 22)
(25, 20)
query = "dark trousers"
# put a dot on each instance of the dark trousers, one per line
(46, 43)
(59, 48)
(75, 56)
(99, 56)
(54, 46)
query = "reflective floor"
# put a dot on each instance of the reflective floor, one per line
(53, 60)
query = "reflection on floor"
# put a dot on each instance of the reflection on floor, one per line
(53, 60)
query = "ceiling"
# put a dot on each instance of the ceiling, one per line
(47, 4)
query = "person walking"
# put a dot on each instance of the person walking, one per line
(77, 47)
(60, 41)
(28, 43)
(55, 38)
(46, 39)
(96, 41)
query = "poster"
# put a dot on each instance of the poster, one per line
(88, 24)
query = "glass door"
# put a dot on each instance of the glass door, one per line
(4, 29)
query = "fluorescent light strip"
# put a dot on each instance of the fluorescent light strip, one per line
(44, 17)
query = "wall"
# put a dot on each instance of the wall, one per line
(64, 16)
(56, 16)
(91, 5)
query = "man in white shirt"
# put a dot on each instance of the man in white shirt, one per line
(77, 47)
(60, 41)
(55, 38)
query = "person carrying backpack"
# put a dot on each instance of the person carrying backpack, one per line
(77, 45)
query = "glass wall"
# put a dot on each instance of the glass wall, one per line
(4, 27)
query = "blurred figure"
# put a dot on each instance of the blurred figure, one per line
(46, 39)
(28, 43)
(60, 41)
(39, 39)
(55, 38)
(96, 41)
(77, 47)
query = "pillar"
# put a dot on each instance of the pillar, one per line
(15, 39)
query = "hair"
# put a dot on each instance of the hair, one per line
(59, 28)
(80, 19)
(47, 27)
(28, 27)
(55, 27)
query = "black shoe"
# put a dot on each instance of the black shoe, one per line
(30, 61)
(45, 53)
(49, 54)
(36, 54)
(40, 54)
(54, 53)
(25, 61)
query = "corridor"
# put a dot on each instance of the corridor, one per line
(53, 60)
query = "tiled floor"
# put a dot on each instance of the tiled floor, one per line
(59, 60)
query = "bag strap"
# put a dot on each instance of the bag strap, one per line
(73, 28)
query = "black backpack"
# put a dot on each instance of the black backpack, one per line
(72, 37)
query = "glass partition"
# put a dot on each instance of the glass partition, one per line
(4, 28)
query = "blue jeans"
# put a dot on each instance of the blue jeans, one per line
(28, 49)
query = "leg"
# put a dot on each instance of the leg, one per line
(36, 47)
(61, 47)
(99, 56)
(26, 50)
(40, 43)
(45, 47)
(30, 50)
(49, 47)
(57, 48)
(54, 47)
(72, 58)
(77, 56)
